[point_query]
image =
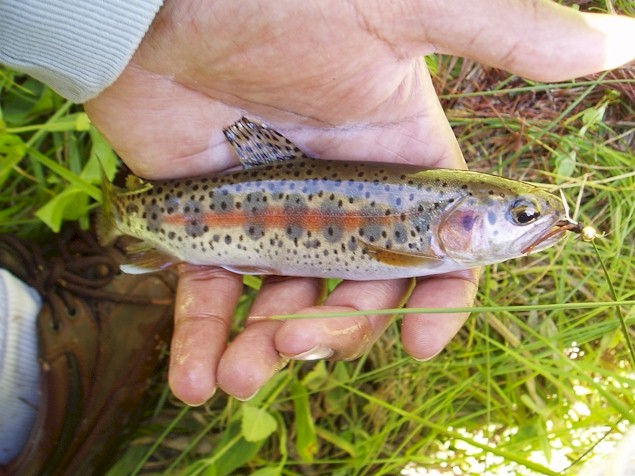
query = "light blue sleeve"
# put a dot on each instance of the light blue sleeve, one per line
(77, 47)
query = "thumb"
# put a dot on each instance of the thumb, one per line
(537, 39)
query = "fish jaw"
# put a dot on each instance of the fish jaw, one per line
(552, 236)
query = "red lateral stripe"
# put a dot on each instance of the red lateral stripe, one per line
(311, 220)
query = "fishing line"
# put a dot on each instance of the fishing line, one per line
(620, 314)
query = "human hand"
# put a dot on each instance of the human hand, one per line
(343, 80)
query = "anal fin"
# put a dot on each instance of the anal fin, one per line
(255, 270)
(142, 258)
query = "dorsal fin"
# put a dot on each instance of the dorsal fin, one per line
(257, 144)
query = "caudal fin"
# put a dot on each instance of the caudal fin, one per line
(106, 224)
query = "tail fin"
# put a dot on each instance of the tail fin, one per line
(106, 225)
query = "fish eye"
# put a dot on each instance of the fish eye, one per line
(523, 212)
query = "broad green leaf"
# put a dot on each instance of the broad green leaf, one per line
(257, 423)
(12, 145)
(71, 204)
(592, 117)
(102, 158)
(82, 122)
(317, 377)
(566, 162)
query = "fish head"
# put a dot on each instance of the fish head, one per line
(495, 223)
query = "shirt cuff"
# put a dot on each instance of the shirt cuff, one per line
(76, 47)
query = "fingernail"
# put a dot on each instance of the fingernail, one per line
(247, 398)
(196, 403)
(430, 357)
(316, 353)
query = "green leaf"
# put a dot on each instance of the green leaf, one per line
(317, 378)
(592, 117)
(71, 204)
(306, 439)
(102, 157)
(257, 423)
(12, 145)
(12, 151)
(82, 122)
(566, 162)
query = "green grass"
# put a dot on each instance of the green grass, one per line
(520, 390)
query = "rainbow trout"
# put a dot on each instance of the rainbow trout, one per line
(289, 214)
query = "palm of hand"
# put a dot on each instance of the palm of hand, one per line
(343, 83)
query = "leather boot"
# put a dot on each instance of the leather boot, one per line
(103, 337)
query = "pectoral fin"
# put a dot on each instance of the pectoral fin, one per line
(414, 259)
(257, 144)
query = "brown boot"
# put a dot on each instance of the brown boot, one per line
(102, 339)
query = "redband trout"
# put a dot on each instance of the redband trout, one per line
(289, 214)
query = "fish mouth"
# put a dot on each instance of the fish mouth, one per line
(552, 235)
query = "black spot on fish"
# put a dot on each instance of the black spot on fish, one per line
(221, 202)
(351, 245)
(312, 243)
(294, 231)
(132, 209)
(400, 233)
(330, 209)
(255, 231)
(194, 228)
(154, 217)
(371, 231)
(295, 205)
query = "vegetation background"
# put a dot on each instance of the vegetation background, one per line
(537, 389)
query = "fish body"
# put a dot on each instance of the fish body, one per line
(289, 214)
